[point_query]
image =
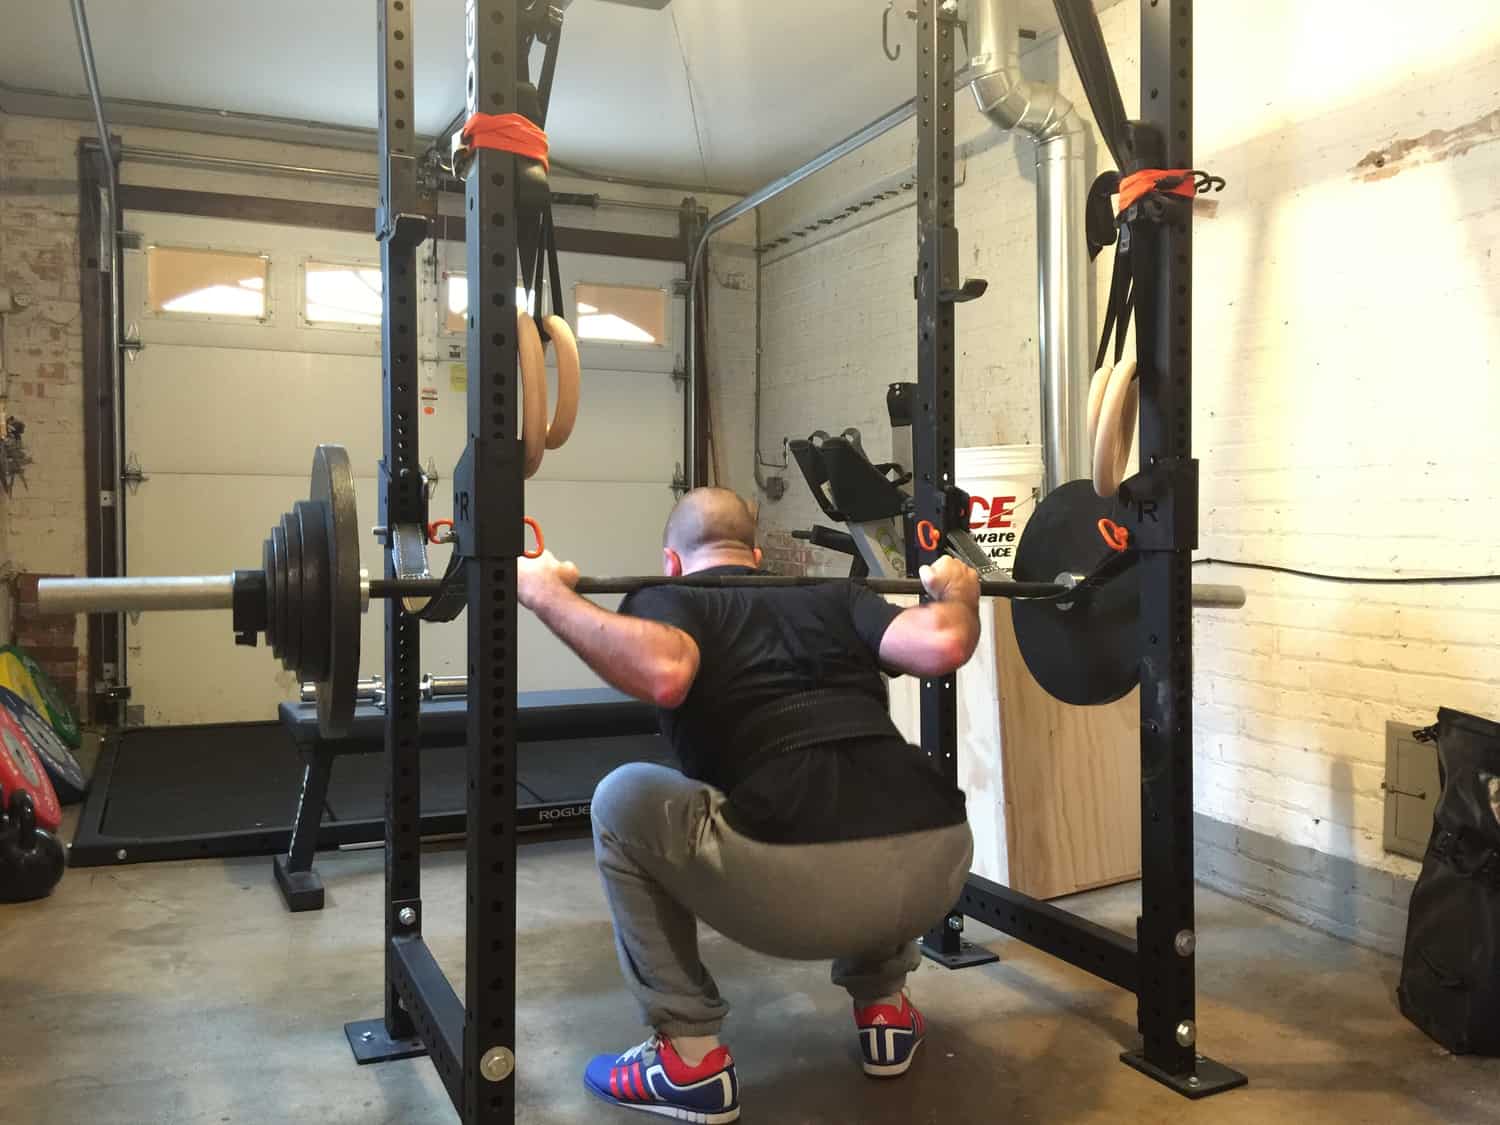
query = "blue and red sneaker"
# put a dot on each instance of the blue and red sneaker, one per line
(889, 1037)
(653, 1078)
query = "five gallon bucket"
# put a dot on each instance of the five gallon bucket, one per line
(1004, 483)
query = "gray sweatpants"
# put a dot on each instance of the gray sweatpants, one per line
(669, 860)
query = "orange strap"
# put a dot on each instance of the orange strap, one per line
(508, 132)
(1116, 536)
(1139, 184)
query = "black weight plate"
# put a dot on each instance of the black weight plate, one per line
(333, 487)
(267, 562)
(277, 579)
(67, 775)
(295, 608)
(317, 616)
(1088, 653)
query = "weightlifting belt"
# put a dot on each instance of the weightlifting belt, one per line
(802, 721)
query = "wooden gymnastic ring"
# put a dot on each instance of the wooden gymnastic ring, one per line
(569, 380)
(1116, 436)
(532, 362)
(1096, 399)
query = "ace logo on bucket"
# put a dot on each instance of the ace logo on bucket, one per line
(992, 520)
(999, 511)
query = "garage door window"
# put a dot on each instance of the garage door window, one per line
(181, 280)
(622, 314)
(341, 293)
(456, 303)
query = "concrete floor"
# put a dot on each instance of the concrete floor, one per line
(183, 993)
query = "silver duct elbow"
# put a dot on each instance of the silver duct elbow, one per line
(1064, 157)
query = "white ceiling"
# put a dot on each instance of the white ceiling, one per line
(725, 93)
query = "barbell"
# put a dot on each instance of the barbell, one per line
(309, 594)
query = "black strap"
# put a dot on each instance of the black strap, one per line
(452, 597)
(549, 239)
(1080, 25)
(1101, 224)
(1119, 307)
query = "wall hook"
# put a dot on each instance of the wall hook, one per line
(885, 33)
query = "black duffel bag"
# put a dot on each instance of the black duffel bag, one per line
(1450, 974)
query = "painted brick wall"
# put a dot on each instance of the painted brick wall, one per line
(42, 527)
(1347, 313)
(1345, 399)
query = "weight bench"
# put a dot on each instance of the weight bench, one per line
(542, 716)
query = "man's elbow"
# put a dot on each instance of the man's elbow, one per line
(671, 681)
(956, 647)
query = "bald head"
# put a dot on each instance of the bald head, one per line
(710, 527)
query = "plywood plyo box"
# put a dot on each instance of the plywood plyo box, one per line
(1053, 790)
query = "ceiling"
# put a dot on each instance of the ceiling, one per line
(702, 93)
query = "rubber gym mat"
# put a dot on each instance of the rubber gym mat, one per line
(190, 781)
(232, 789)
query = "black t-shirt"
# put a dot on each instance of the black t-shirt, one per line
(760, 645)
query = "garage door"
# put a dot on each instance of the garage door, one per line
(259, 341)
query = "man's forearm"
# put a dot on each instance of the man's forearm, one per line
(650, 661)
(932, 639)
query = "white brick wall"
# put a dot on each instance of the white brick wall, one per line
(1345, 408)
(1347, 314)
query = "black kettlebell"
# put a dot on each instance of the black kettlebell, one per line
(31, 858)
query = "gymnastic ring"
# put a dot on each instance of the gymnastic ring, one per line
(1097, 386)
(531, 360)
(569, 379)
(541, 544)
(928, 536)
(1116, 437)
